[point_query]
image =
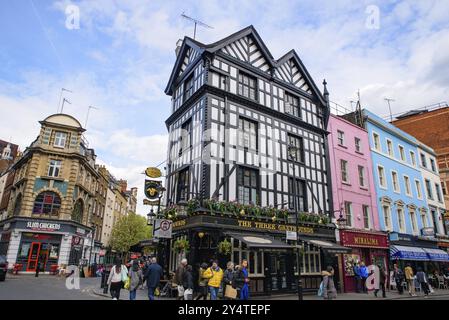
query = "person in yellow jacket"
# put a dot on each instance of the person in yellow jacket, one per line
(215, 276)
(409, 276)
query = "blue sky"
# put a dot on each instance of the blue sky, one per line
(120, 58)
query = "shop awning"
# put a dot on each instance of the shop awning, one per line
(255, 241)
(408, 253)
(329, 247)
(437, 255)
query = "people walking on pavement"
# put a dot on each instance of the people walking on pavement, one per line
(187, 283)
(38, 268)
(202, 283)
(153, 277)
(228, 280)
(117, 276)
(179, 274)
(423, 282)
(409, 277)
(364, 276)
(398, 277)
(136, 278)
(382, 281)
(242, 280)
(329, 291)
(215, 275)
(357, 277)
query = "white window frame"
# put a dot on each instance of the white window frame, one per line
(424, 165)
(413, 158)
(401, 216)
(247, 251)
(423, 215)
(341, 136)
(388, 227)
(384, 177)
(402, 153)
(350, 221)
(408, 186)
(344, 170)
(358, 145)
(433, 165)
(376, 138)
(60, 139)
(362, 178)
(429, 195)
(413, 221)
(389, 142)
(368, 215)
(418, 189)
(394, 173)
(438, 192)
(54, 168)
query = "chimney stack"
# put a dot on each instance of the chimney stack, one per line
(178, 46)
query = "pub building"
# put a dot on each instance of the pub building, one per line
(248, 129)
(26, 241)
(370, 247)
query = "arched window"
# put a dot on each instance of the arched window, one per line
(47, 203)
(78, 209)
(18, 205)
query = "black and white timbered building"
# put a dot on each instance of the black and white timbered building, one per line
(235, 111)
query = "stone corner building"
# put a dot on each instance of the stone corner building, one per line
(235, 110)
(51, 198)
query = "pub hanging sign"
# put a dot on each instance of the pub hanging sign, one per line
(153, 189)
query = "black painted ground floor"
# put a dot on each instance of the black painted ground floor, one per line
(271, 254)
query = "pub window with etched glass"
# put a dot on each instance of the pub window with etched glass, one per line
(292, 105)
(248, 134)
(255, 257)
(248, 186)
(311, 262)
(247, 86)
(297, 151)
(301, 197)
(183, 185)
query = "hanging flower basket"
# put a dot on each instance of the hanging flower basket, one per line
(181, 245)
(224, 247)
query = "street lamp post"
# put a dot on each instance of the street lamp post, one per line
(292, 150)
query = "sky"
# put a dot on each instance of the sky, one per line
(119, 56)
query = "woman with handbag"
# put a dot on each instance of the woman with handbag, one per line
(242, 281)
(187, 283)
(117, 278)
(202, 282)
(135, 279)
(229, 291)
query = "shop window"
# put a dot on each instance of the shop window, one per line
(47, 203)
(248, 186)
(311, 263)
(78, 209)
(255, 258)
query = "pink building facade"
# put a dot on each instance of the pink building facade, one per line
(354, 198)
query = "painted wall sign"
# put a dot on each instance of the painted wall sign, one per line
(43, 226)
(153, 172)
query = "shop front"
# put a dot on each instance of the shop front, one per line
(368, 247)
(28, 242)
(271, 254)
(418, 251)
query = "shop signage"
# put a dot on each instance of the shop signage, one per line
(364, 240)
(273, 226)
(162, 228)
(153, 172)
(80, 231)
(291, 235)
(427, 232)
(153, 189)
(43, 226)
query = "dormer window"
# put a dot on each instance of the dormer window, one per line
(60, 139)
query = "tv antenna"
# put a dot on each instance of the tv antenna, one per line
(389, 107)
(60, 96)
(196, 22)
(87, 116)
(63, 101)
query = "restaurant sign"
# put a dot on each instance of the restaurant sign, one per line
(364, 240)
(43, 226)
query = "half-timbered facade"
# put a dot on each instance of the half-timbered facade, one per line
(246, 128)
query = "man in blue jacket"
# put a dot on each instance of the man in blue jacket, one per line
(153, 277)
(364, 276)
(358, 279)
